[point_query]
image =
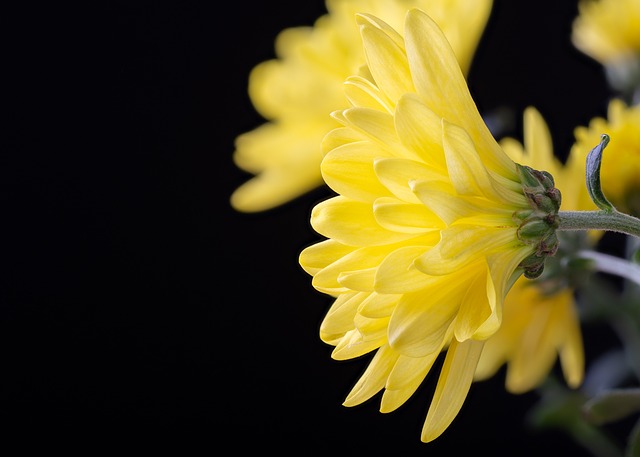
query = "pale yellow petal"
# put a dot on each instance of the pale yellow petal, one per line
(352, 223)
(362, 92)
(374, 377)
(466, 170)
(441, 84)
(420, 321)
(398, 174)
(348, 170)
(339, 319)
(420, 130)
(404, 379)
(379, 305)
(397, 215)
(354, 345)
(377, 125)
(386, 58)
(460, 245)
(322, 254)
(397, 274)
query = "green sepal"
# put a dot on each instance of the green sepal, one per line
(594, 160)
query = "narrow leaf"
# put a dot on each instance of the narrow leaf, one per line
(612, 405)
(594, 160)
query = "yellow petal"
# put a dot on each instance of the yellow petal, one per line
(386, 58)
(339, 319)
(348, 170)
(378, 305)
(405, 377)
(452, 388)
(351, 223)
(420, 321)
(362, 92)
(441, 84)
(460, 245)
(354, 345)
(420, 130)
(374, 377)
(396, 215)
(396, 274)
(398, 174)
(320, 255)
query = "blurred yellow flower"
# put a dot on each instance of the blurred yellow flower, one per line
(608, 30)
(536, 328)
(540, 321)
(297, 91)
(620, 169)
(430, 227)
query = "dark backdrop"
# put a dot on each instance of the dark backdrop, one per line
(135, 303)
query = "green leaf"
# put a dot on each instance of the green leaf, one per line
(594, 160)
(633, 444)
(612, 405)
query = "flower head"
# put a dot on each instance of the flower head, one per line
(540, 323)
(431, 225)
(297, 91)
(620, 169)
(608, 30)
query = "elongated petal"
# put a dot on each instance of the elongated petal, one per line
(351, 223)
(348, 169)
(440, 82)
(420, 130)
(374, 377)
(397, 215)
(405, 377)
(466, 171)
(386, 58)
(397, 274)
(418, 325)
(452, 388)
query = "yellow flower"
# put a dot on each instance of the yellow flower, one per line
(608, 30)
(429, 227)
(620, 168)
(536, 328)
(540, 321)
(297, 91)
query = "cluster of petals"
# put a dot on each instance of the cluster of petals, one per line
(296, 91)
(421, 245)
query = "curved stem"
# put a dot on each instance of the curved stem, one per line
(613, 221)
(614, 265)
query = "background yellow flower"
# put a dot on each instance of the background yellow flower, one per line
(620, 169)
(608, 30)
(297, 91)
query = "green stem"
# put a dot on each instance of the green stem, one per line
(613, 221)
(611, 264)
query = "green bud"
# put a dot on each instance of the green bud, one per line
(536, 226)
(533, 230)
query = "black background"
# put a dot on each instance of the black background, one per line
(137, 306)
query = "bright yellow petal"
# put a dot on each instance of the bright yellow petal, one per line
(452, 388)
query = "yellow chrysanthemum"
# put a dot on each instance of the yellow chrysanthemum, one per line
(620, 168)
(608, 30)
(297, 91)
(540, 321)
(424, 237)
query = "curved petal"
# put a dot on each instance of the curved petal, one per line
(452, 388)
